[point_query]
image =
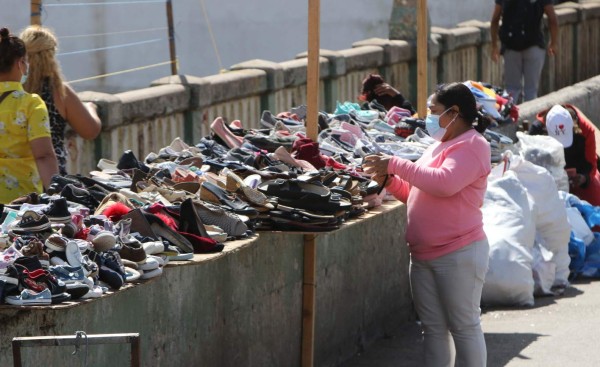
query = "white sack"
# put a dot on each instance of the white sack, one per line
(509, 226)
(546, 152)
(551, 223)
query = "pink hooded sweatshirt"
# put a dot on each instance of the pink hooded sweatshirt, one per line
(444, 193)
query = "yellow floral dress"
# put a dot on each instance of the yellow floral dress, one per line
(23, 118)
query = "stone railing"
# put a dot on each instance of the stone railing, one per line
(147, 119)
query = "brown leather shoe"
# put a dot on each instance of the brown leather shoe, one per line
(131, 253)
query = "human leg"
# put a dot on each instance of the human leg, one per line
(533, 63)
(438, 348)
(460, 277)
(513, 73)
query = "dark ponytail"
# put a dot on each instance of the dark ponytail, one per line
(12, 48)
(483, 121)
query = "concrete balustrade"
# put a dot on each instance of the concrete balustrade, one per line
(149, 118)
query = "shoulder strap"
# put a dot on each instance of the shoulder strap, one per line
(5, 94)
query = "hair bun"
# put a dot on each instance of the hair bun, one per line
(4, 34)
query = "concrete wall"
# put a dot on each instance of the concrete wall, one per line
(584, 95)
(148, 119)
(243, 307)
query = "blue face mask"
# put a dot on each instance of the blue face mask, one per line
(24, 76)
(432, 124)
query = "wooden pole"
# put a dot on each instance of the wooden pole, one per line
(312, 80)
(36, 12)
(422, 38)
(171, 28)
(308, 300)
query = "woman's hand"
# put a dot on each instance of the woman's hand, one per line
(385, 89)
(376, 165)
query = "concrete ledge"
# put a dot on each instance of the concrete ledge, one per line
(590, 11)
(364, 57)
(294, 71)
(395, 51)
(200, 91)
(568, 15)
(110, 108)
(274, 71)
(456, 38)
(584, 95)
(484, 28)
(243, 307)
(150, 102)
(337, 61)
(237, 84)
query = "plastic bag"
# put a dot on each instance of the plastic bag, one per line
(552, 227)
(508, 224)
(546, 152)
(544, 271)
(579, 227)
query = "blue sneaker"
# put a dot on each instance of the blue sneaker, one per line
(70, 275)
(30, 298)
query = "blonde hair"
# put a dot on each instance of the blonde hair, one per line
(41, 47)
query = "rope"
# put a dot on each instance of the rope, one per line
(109, 47)
(212, 36)
(121, 72)
(113, 33)
(107, 3)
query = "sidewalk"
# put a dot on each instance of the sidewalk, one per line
(557, 331)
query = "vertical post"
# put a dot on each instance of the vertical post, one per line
(312, 71)
(422, 62)
(308, 300)
(36, 12)
(171, 31)
(16, 349)
(135, 351)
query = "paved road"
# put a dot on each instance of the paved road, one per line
(557, 331)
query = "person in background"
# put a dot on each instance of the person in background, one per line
(375, 88)
(444, 192)
(577, 134)
(27, 159)
(523, 43)
(64, 107)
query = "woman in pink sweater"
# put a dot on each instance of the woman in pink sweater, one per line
(444, 192)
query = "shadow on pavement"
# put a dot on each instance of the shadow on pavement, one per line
(502, 348)
(571, 291)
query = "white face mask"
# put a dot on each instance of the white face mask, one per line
(24, 76)
(432, 123)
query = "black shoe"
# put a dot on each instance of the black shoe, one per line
(129, 160)
(79, 196)
(211, 148)
(111, 277)
(57, 183)
(189, 220)
(241, 155)
(58, 211)
(32, 222)
(98, 192)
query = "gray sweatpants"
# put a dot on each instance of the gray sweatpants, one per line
(522, 71)
(447, 293)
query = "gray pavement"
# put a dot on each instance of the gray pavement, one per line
(557, 331)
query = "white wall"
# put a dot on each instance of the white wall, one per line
(274, 30)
